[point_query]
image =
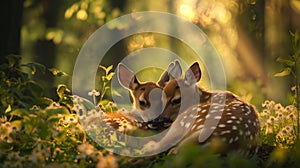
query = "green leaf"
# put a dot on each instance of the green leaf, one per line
(19, 112)
(114, 92)
(61, 90)
(8, 109)
(35, 67)
(108, 69)
(288, 62)
(104, 102)
(6, 147)
(28, 128)
(57, 110)
(102, 67)
(87, 104)
(43, 130)
(17, 124)
(57, 72)
(30, 123)
(109, 76)
(285, 72)
(61, 137)
(35, 89)
(295, 38)
(44, 101)
(53, 118)
(13, 60)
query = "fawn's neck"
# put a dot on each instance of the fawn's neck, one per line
(204, 96)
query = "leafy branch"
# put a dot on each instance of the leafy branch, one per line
(106, 78)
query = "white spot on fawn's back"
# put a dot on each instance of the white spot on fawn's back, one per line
(222, 125)
(229, 121)
(234, 127)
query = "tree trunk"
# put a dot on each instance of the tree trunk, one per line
(45, 51)
(11, 19)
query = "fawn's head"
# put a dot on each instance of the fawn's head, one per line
(180, 93)
(146, 95)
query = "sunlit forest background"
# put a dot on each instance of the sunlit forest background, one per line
(257, 40)
(249, 36)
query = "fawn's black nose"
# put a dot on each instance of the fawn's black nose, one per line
(143, 103)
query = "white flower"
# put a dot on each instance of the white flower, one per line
(94, 93)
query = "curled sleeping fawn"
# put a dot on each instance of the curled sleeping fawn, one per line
(145, 104)
(209, 118)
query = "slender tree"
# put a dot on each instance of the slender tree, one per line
(11, 21)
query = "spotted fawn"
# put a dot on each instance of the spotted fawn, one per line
(209, 118)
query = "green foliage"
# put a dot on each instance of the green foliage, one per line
(193, 156)
(54, 134)
(190, 157)
(17, 90)
(284, 157)
(291, 61)
(292, 69)
(39, 136)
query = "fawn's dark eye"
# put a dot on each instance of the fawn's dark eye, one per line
(176, 101)
(142, 89)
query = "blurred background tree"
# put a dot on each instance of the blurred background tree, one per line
(11, 17)
(249, 35)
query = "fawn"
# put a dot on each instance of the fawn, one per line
(208, 118)
(145, 103)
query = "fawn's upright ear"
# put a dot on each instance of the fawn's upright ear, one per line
(127, 78)
(174, 71)
(193, 74)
